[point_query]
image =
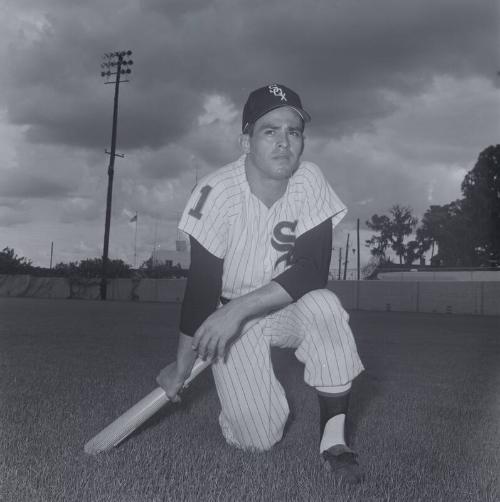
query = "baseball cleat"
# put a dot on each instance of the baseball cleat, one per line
(343, 463)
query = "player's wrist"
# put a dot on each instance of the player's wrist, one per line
(239, 309)
(261, 301)
(186, 356)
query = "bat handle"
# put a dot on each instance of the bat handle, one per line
(198, 367)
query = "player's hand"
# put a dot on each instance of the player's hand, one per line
(213, 338)
(171, 380)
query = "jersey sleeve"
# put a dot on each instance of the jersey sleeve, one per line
(310, 262)
(320, 202)
(203, 288)
(205, 217)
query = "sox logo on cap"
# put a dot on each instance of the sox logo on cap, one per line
(277, 91)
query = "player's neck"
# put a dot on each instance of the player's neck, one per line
(267, 190)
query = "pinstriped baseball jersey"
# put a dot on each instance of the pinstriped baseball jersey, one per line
(256, 242)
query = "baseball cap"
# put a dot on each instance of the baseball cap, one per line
(269, 98)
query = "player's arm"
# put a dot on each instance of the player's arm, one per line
(214, 336)
(309, 271)
(310, 262)
(201, 297)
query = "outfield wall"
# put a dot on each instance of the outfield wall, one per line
(481, 298)
(457, 297)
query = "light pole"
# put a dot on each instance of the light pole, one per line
(114, 64)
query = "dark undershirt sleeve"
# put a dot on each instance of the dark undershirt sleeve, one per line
(203, 288)
(310, 262)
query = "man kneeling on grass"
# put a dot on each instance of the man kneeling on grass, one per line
(261, 231)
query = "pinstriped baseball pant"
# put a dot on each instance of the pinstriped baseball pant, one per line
(254, 406)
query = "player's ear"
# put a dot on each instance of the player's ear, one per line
(245, 143)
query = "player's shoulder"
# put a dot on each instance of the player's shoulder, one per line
(225, 178)
(222, 186)
(309, 175)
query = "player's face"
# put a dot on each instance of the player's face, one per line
(276, 145)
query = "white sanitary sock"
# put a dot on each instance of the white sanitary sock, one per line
(333, 433)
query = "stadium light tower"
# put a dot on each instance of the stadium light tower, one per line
(115, 64)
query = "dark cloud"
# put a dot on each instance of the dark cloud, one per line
(401, 96)
(13, 212)
(341, 56)
(166, 163)
(175, 9)
(78, 209)
(27, 185)
(12, 219)
(146, 120)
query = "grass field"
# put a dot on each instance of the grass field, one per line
(425, 412)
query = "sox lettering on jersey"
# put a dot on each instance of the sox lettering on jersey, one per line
(284, 242)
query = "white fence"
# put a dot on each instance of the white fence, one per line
(447, 297)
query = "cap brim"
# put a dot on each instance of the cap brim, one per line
(302, 113)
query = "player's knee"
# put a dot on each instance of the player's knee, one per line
(247, 431)
(323, 302)
(261, 441)
(261, 445)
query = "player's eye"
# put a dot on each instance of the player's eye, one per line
(269, 132)
(296, 133)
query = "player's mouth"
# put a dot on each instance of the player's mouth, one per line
(281, 156)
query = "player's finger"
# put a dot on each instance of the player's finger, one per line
(226, 352)
(171, 390)
(198, 336)
(201, 347)
(222, 349)
(175, 399)
(211, 348)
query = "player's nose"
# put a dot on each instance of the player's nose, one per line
(282, 140)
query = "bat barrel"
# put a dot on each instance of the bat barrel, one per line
(126, 423)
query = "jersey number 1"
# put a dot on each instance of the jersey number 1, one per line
(196, 210)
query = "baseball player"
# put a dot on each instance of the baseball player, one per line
(260, 231)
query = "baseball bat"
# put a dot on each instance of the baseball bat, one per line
(129, 421)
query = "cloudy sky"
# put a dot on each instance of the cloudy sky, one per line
(403, 94)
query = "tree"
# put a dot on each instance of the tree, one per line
(166, 270)
(393, 230)
(369, 271)
(379, 243)
(448, 227)
(66, 269)
(10, 263)
(481, 203)
(92, 268)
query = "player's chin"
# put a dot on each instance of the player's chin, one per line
(284, 169)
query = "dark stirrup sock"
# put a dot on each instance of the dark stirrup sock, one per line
(331, 406)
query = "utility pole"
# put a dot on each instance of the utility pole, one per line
(51, 253)
(135, 219)
(340, 262)
(359, 249)
(154, 255)
(346, 257)
(113, 60)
